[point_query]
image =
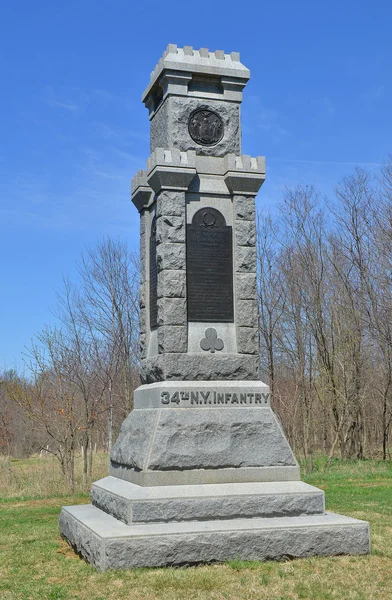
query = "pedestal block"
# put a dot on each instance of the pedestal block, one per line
(202, 432)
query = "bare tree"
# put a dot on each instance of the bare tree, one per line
(50, 402)
(270, 292)
(108, 308)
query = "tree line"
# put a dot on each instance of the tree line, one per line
(325, 297)
(325, 320)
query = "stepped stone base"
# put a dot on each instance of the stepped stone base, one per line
(107, 543)
(131, 503)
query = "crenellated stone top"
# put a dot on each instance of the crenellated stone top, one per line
(201, 61)
(173, 169)
(245, 163)
(172, 158)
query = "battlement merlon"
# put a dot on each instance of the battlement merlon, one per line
(189, 72)
(244, 175)
(172, 169)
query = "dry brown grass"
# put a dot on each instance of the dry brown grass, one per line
(37, 477)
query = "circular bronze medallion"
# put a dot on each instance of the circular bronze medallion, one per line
(205, 127)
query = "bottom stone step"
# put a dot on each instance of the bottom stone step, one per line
(108, 543)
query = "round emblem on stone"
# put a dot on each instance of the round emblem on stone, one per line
(205, 127)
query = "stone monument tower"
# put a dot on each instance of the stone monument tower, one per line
(201, 470)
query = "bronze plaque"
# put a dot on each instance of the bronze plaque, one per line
(153, 277)
(205, 127)
(209, 258)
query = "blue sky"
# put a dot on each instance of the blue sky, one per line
(74, 131)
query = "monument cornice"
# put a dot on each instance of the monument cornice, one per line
(175, 170)
(201, 62)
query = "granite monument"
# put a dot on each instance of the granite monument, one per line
(201, 470)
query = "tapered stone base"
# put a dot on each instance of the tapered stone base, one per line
(110, 544)
(202, 472)
(196, 432)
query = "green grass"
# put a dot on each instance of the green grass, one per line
(36, 564)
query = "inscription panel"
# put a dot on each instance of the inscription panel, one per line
(221, 395)
(211, 397)
(153, 277)
(209, 256)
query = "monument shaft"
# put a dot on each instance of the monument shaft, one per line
(199, 319)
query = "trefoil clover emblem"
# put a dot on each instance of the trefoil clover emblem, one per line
(211, 342)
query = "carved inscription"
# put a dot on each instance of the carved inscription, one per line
(199, 398)
(153, 277)
(209, 268)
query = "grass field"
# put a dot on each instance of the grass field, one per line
(36, 564)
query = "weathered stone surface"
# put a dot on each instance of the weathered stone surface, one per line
(204, 438)
(172, 284)
(172, 339)
(142, 255)
(246, 313)
(142, 269)
(211, 438)
(132, 503)
(246, 286)
(169, 127)
(244, 208)
(112, 503)
(132, 445)
(224, 508)
(172, 311)
(143, 221)
(245, 259)
(142, 319)
(170, 229)
(171, 203)
(143, 294)
(245, 233)
(198, 367)
(143, 345)
(110, 544)
(142, 242)
(82, 539)
(248, 340)
(171, 256)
